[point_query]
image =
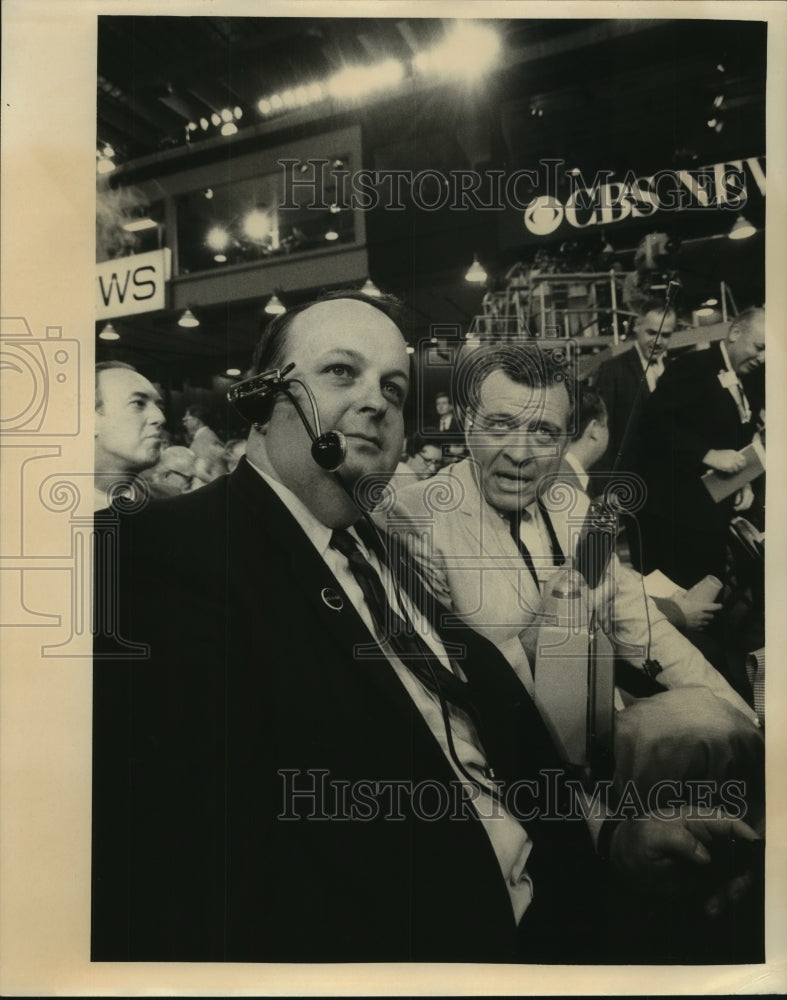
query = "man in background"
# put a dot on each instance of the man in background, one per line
(174, 473)
(204, 442)
(128, 430)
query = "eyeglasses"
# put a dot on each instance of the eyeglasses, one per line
(433, 463)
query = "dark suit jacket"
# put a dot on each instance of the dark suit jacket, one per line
(254, 685)
(616, 382)
(688, 414)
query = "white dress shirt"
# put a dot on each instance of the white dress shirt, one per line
(654, 370)
(508, 837)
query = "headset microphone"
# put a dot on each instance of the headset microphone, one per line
(253, 398)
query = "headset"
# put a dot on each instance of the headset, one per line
(253, 399)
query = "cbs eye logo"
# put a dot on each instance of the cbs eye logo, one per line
(543, 215)
(40, 381)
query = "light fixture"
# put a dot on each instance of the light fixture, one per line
(109, 333)
(275, 306)
(264, 106)
(237, 112)
(226, 115)
(468, 50)
(371, 289)
(706, 309)
(257, 225)
(331, 234)
(188, 319)
(138, 225)
(203, 124)
(229, 128)
(215, 119)
(476, 274)
(220, 258)
(104, 165)
(232, 372)
(217, 238)
(192, 127)
(742, 229)
(334, 209)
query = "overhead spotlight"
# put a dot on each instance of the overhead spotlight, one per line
(139, 225)
(742, 229)
(720, 67)
(718, 101)
(334, 209)
(713, 122)
(369, 288)
(706, 309)
(229, 128)
(711, 302)
(476, 275)
(220, 258)
(204, 124)
(264, 106)
(316, 92)
(109, 333)
(331, 235)
(232, 372)
(257, 225)
(288, 98)
(104, 166)
(468, 50)
(217, 238)
(337, 163)
(226, 115)
(215, 119)
(274, 306)
(192, 126)
(353, 82)
(188, 319)
(719, 126)
(237, 112)
(276, 103)
(207, 193)
(108, 151)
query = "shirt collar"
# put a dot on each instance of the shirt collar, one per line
(726, 357)
(576, 465)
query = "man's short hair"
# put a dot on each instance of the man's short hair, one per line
(743, 321)
(272, 346)
(199, 411)
(105, 366)
(653, 304)
(591, 407)
(417, 442)
(525, 362)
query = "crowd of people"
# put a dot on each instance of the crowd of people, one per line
(337, 747)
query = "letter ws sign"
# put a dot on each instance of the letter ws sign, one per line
(133, 284)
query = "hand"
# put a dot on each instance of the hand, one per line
(744, 498)
(726, 461)
(698, 614)
(668, 856)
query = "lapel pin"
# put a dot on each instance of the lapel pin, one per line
(332, 599)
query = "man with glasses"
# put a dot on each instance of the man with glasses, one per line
(618, 381)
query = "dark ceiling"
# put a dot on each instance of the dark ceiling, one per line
(618, 95)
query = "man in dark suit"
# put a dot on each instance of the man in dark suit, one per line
(698, 419)
(276, 781)
(618, 382)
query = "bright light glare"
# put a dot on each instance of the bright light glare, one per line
(104, 166)
(229, 128)
(468, 50)
(217, 239)
(354, 81)
(257, 225)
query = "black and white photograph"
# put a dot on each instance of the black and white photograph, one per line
(384, 566)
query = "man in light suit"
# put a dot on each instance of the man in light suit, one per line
(269, 784)
(497, 525)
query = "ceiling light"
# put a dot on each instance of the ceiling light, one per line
(712, 123)
(264, 106)
(476, 274)
(109, 333)
(108, 150)
(237, 112)
(220, 258)
(257, 225)
(468, 50)
(226, 115)
(355, 81)
(217, 238)
(705, 310)
(741, 229)
(104, 166)
(138, 225)
(718, 101)
(188, 319)
(232, 372)
(334, 209)
(229, 128)
(331, 235)
(274, 306)
(711, 302)
(277, 103)
(207, 193)
(215, 119)
(371, 289)
(203, 124)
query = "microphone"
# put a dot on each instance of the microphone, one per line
(253, 399)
